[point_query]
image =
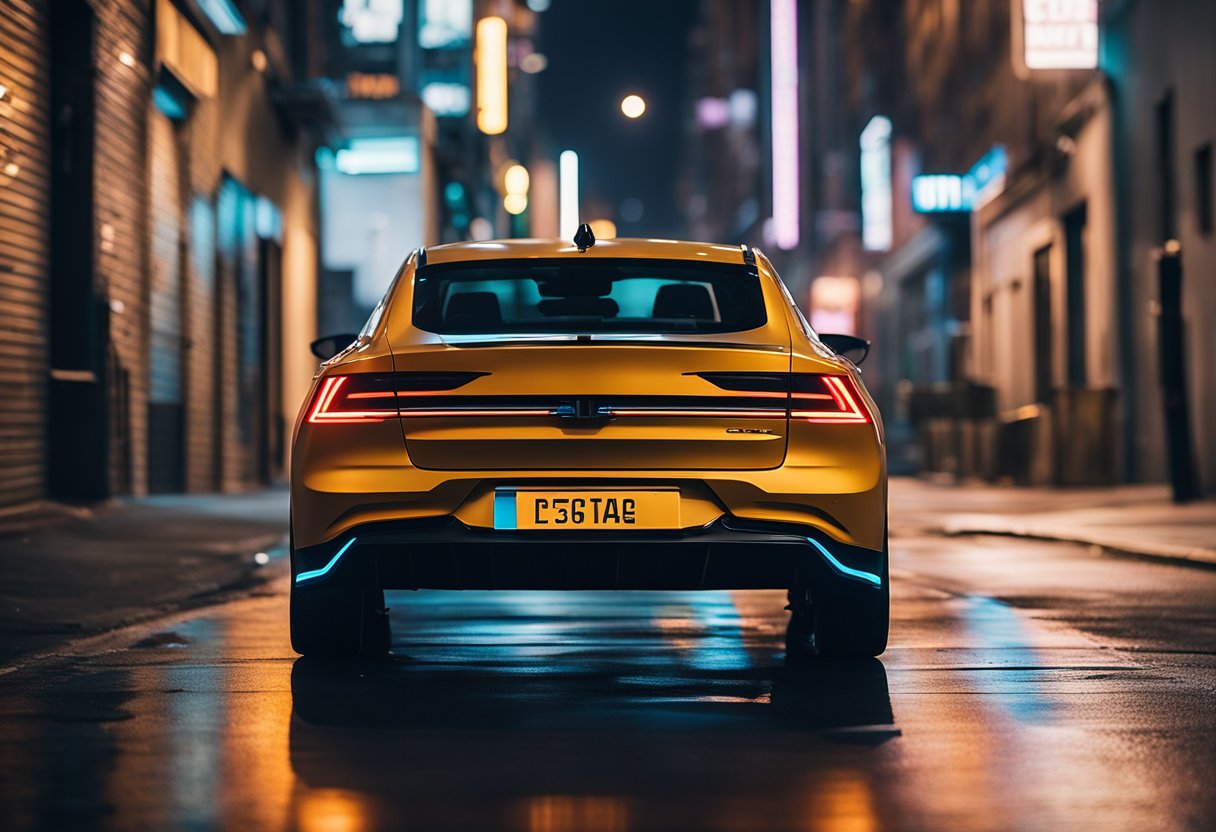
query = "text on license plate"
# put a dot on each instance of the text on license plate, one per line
(597, 510)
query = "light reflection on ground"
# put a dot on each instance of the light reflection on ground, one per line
(586, 711)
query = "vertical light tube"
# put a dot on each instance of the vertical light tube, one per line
(491, 59)
(876, 202)
(783, 21)
(568, 211)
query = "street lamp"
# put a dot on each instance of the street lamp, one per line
(490, 56)
(633, 106)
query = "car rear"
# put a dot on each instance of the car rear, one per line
(631, 416)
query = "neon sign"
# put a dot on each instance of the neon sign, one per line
(876, 229)
(784, 26)
(1060, 34)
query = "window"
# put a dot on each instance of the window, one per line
(1074, 258)
(1166, 186)
(544, 296)
(1203, 188)
(1044, 349)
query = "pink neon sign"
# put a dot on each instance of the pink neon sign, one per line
(784, 25)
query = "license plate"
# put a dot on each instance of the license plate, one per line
(597, 510)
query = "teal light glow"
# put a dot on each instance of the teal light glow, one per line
(224, 15)
(848, 571)
(398, 154)
(324, 570)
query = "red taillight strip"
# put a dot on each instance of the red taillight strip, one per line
(329, 389)
(388, 395)
(850, 411)
(332, 392)
(841, 393)
(721, 414)
(505, 411)
(325, 398)
(351, 417)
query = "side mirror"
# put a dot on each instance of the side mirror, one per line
(327, 347)
(847, 346)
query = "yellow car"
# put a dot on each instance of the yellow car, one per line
(628, 414)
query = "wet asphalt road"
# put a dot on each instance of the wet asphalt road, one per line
(1029, 686)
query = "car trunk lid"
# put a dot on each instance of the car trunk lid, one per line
(610, 403)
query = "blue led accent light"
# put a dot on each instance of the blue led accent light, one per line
(848, 571)
(168, 103)
(504, 510)
(224, 15)
(324, 570)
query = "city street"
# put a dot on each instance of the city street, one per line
(1028, 685)
(608, 415)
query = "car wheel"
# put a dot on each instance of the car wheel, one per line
(338, 621)
(854, 628)
(854, 623)
(847, 621)
(799, 632)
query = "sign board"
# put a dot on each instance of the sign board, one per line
(834, 304)
(183, 50)
(943, 193)
(445, 24)
(1059, 34)
(373, 85)
(876, 216)
(373, 21)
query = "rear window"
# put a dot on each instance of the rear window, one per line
(642, 296)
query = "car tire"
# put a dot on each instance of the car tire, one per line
(847, 621)
(339, 622)
(854, 628)
(799, 632)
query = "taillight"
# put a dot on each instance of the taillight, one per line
(354, 400)
(815, 397)
(826, 400)
(374, 397)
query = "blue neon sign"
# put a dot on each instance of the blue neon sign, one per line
(940, 193)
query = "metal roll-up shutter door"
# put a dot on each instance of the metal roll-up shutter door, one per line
(166, 453)
(24, 249)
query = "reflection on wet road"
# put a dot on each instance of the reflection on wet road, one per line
(586, 711)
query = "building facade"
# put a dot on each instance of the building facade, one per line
(1162, 69)
(157, 246)
(1049, 153)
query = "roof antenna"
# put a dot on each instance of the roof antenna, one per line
(584, 238)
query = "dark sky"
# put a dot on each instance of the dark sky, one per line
(600, 51)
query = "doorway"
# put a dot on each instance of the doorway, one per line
(1043, 342)
(1074, 252)
(78, 407)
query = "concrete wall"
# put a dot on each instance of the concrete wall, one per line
(1007, 233)
(1152, 47)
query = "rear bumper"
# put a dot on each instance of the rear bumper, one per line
(444, 553)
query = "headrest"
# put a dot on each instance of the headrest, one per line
(684, 300)
(473, 310)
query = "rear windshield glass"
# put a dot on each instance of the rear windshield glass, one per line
(643, 296)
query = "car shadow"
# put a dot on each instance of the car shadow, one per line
(398, 729)
(397, 693)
